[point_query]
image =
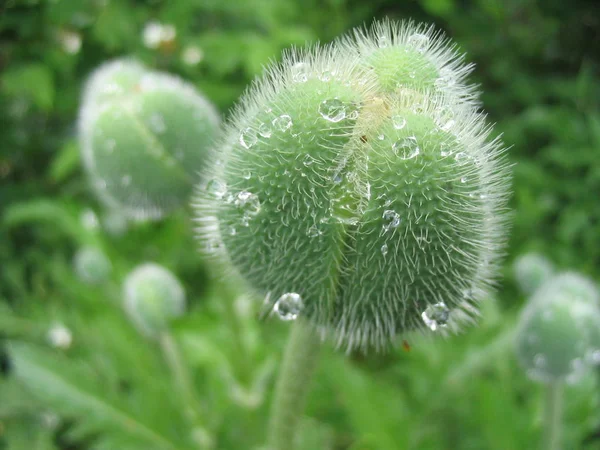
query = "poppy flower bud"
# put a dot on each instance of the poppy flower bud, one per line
(558, 336)
(144, 135)
(359, 187)
(153, 296)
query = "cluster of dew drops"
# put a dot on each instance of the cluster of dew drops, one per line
(289, 306)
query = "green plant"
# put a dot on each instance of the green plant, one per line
(358, 189)
(143, 136)
(558, 340)
(530, 271)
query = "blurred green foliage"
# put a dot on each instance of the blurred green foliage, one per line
(538, 63)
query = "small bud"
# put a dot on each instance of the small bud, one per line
(92, 266)
(144, 136)
(153, 296)
(558, 336)
(60, 337)
(531, 271)
(350, 178)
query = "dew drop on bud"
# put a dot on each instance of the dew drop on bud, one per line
(247, 175)
(313, 231)
(436, 316)
(299, 72)
(248, 138)
(406, 148)
(419, 42)
(384, 249)
(332, 110)
(283, 122)
(265, 131)
(288, 306)
(391, 220)
(399, 122)
(308, 160)
(248, 203)
(326, 75)
(382, 41)
(216, 188)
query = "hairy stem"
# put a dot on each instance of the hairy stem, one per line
(299, 362)
(553, 415)
(184, 384)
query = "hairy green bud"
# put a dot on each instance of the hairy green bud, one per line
(144, 135)
(558, 335)
(153, 296)
(531, 271)
(358, 187)
(92, 265)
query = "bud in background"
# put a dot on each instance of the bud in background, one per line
(531, 271)
(91, 265)
(558, 336)
(143, 136)
(153, 296)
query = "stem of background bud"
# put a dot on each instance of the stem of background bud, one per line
(184, 384)
(553, 415)
(299, 362)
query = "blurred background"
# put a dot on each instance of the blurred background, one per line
(74, 374)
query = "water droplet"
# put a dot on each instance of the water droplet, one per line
(382, 41)
(213, 245)
(412, 74)
(445, 80)
(384, 249)
(232, 231)
(419, 42)
(299, 72)
(391, 220)
(248, 137)
(460, 156)
(249, 204)
(288, 306)
(326, 75)
(308, 160)
(125, 180)
(332, 110)
(157, 123)
(265, 131)
(406, 148)
(399, 122)
(247, 174)
(381, 137)
(436, 316)
(313, 231)
(283, 122)
(463, 179)
(216, 188)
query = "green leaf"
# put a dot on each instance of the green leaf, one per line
(76, 392)
(65, 163)
(33, 81)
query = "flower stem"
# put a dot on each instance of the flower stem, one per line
(184, 384)
(299, 362)
(553, 415)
